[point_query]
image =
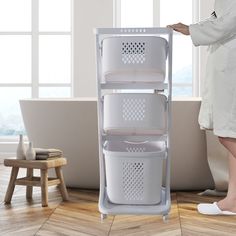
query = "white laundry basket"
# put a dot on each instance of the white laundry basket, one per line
(135, 114)
(134, 59)
(134, 172)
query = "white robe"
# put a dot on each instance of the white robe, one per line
(218, 108)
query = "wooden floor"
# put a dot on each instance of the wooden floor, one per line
(80, 216)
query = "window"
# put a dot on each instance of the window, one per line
(35, 58)
(173, 12)
(149, 13)
(132, 10)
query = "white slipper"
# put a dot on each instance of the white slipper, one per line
(213, 209)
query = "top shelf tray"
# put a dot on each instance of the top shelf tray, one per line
(135, 31)
(137, 85)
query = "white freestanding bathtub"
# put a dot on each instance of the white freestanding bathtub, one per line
(70, 125)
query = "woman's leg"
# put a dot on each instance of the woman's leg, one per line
(229, 202)
(230, 144)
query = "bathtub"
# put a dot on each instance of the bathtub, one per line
(70, 125)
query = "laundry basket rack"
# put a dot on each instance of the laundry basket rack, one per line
(134, 84)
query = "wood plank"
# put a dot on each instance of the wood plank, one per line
(4, 180)
(62, 185)
(36, 164)
(11, 185)
(195, 224)
(80, 215)
(29, 189)
(77, 217)
(44, 187)
(26, 217)
(148, 225)
(35, 181)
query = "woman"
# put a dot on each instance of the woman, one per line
(218, 108)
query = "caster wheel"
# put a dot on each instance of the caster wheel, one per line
(165, 218)
(103, 216)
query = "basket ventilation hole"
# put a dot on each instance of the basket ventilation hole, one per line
(133, 109)
(133, 181)
(133, 52)
(135, 149)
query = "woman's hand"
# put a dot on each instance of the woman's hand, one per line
(184, 29)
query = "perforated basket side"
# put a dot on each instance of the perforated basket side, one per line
(133, 52)
(135, 114)
(133, 180)
(134, 58)
(133, 109)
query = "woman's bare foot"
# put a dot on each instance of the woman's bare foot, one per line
(227, 204)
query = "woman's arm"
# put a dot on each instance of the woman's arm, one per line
(214, 30)
(181, 28)
(184, 29)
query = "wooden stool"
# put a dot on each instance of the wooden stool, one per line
(30, 180)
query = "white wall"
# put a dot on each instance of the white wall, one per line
(88, 14)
